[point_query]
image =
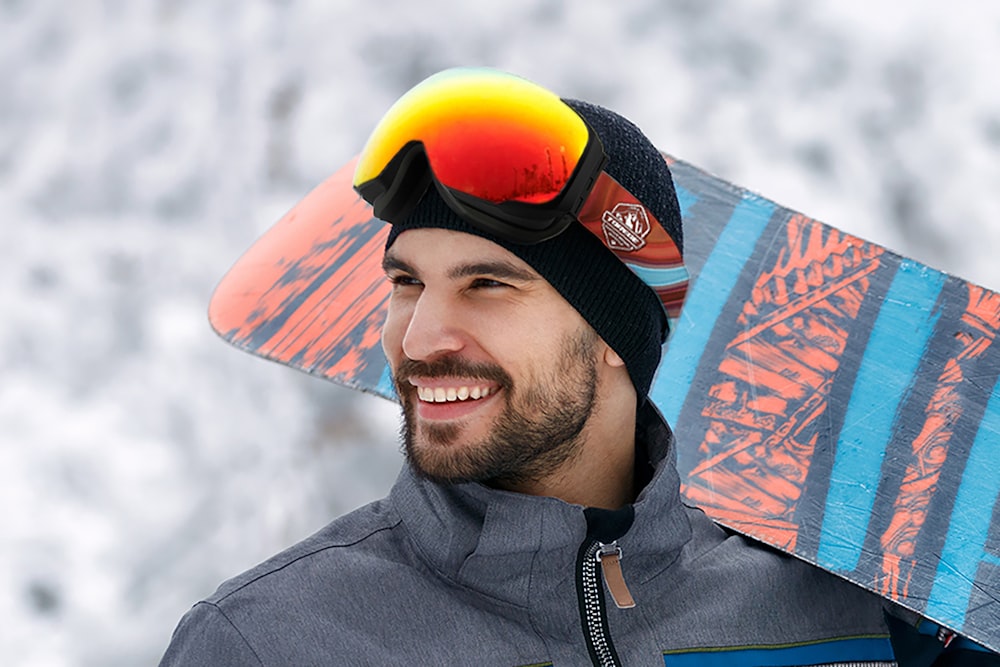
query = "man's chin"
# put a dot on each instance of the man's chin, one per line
(442, 469)
(441, 453)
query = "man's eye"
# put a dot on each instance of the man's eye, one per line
(488, 283)
(403, 280)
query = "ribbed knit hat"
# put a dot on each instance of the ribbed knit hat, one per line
(623, 310)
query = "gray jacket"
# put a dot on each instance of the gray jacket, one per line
(467, 575)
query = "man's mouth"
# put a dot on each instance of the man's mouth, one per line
(443, 394)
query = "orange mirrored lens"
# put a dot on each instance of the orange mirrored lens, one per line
(486, 133)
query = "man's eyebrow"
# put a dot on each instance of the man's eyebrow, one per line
(496, 269)
(392, 263)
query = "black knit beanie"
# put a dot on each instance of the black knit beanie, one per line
(623, 310)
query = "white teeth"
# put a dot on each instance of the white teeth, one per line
(451, 394)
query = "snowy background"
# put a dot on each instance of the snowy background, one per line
(145, 144)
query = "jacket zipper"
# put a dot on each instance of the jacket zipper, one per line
(593, 608)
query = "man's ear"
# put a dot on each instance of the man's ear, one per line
(611, 358)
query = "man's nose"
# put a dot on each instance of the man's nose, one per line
(435, 329)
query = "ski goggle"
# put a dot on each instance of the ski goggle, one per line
(514, 160)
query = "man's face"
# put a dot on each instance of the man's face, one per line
(496, 372)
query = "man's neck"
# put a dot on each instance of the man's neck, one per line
(606, 483)
(602, 473)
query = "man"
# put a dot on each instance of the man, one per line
(538, 518)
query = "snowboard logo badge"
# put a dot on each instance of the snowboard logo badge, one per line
(625, 227)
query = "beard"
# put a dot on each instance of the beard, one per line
(537, 431)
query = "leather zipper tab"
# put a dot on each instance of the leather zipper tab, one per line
(610, 558)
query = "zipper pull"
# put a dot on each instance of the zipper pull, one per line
(609, 556)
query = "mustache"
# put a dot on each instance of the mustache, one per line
(450, 367)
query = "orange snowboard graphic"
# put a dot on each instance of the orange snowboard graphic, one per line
(324, 294)
(767, 408)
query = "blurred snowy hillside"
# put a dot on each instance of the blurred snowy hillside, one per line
(145, 144)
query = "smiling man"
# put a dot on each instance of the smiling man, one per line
(501, 380)
(538, 518)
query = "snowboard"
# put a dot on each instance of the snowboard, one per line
(830, 398)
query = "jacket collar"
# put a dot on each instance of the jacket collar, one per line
(497, 541)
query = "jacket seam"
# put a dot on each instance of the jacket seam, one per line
(780, 645)
(529, 608)
(235, 629)
(326, 547)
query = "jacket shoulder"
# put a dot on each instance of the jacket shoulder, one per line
(205, 636)
(371, 523)
(258, 617)
(763, 584)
